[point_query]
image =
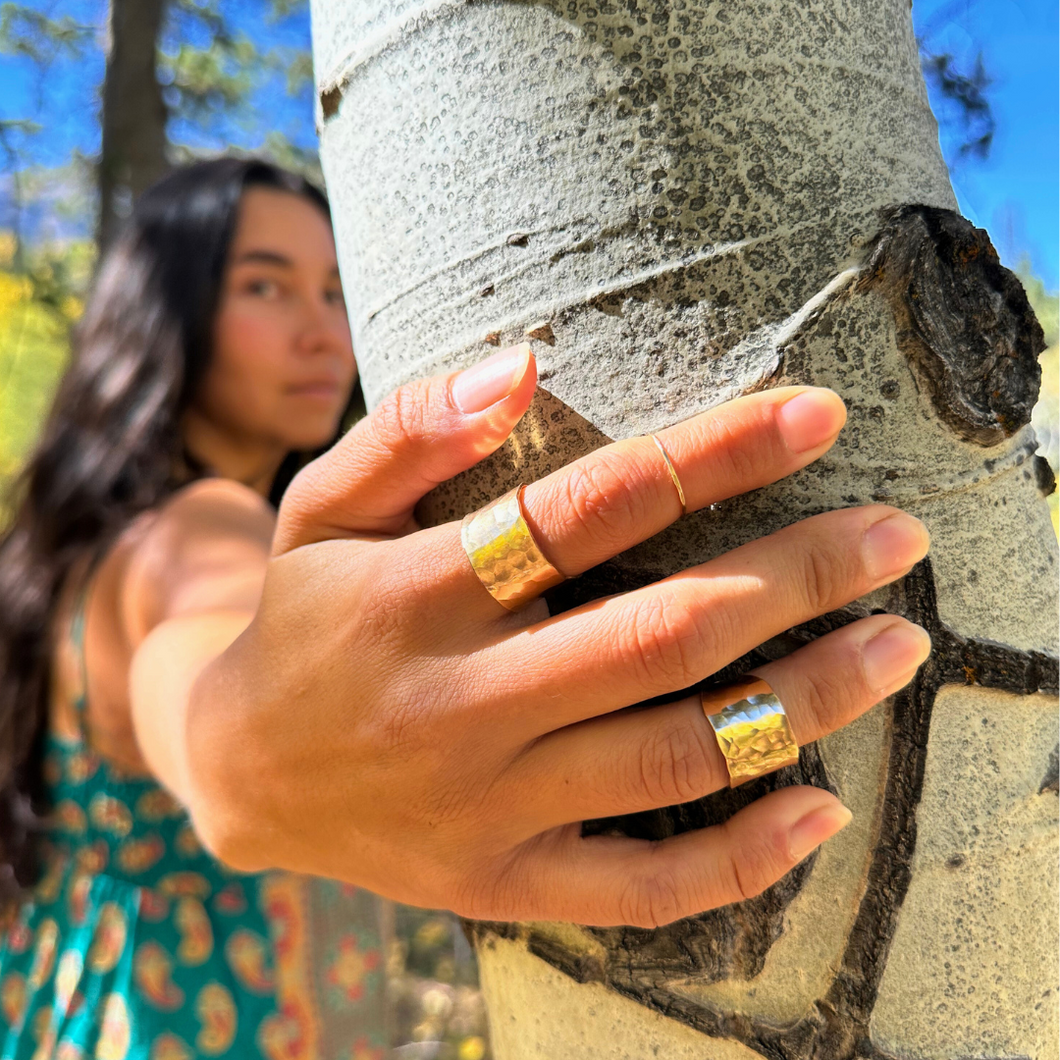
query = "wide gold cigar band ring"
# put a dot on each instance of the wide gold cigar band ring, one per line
(751, 728)
(504, 554)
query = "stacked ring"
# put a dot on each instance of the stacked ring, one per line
(673, 473)
(751, 728)
(504, 554)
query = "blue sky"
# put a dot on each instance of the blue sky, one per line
(1012, 193)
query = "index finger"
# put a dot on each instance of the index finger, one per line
(623, 493)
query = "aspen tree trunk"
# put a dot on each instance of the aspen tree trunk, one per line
(133, 152)
(684, 202)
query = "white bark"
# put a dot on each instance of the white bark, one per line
(685, 193)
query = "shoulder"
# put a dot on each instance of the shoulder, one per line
(207, 508)
(207, 537)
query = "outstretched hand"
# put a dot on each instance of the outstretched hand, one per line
(388, 723)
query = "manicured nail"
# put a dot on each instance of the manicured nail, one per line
(894, 653)
(893, 544)
(486, 383)
(810, 419)
(811, 831)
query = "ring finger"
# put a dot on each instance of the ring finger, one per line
(659, 756)
(623, 493)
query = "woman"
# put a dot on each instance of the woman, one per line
(332, 690)
(214, 352)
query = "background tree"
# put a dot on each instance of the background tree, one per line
(133, 151)
(680, 204)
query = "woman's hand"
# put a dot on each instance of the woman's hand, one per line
(385, 721)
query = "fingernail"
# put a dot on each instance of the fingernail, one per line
(892, 654)
(809, 419)
(893, 544)
(811, 831)
(486, 383)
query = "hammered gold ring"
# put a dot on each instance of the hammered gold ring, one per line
(751, 728)
(673, 473)
(504, 554)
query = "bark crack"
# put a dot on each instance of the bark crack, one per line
(639, 964)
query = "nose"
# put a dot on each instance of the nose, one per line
(324, 327)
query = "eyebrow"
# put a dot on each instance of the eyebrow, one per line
(271, 257)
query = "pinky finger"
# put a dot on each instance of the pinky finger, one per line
(606, 881)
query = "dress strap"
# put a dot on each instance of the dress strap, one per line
(77, 638)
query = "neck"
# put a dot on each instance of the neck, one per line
(250, 461)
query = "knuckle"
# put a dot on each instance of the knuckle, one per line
(676, 766)
(651, 901)
(665, 642)
(602, 498)
(756, 865)
(453, 802)
(400, 417)
(401, 728)
(495, 888)
(743, 460)
(821, 577)
(823, 696)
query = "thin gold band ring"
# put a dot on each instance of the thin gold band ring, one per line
(673, 474)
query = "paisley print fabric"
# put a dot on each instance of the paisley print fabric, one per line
(138, 945)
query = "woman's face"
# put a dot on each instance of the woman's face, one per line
(282, 364)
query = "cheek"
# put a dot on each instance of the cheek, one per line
(248, 355)
(250, 345)
(250, 337)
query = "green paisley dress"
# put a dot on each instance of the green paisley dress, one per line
(139, 945)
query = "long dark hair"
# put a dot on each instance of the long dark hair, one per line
(112, 446)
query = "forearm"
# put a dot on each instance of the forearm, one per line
(165, 690)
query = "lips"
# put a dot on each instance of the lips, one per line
(324, 387)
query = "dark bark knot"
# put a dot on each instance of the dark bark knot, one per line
(963, 320)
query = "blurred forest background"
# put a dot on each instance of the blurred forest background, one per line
(98, 97)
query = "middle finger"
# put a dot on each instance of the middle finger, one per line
(669, 635)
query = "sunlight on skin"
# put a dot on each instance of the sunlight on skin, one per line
(280, 375)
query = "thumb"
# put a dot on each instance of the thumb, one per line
(419, 436)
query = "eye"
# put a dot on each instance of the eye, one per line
(334, 297)
(263, 288)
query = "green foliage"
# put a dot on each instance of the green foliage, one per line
(26, 31)
(199, 81)
(34, 348)
(281, 9)
(1044, 304)
(209, 69)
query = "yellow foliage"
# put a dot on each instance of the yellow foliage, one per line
(14, 290)
(473, 1048)
(34, 347)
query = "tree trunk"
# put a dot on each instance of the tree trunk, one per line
(682, 203)
(133, 155)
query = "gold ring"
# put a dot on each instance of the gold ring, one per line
(751, 728)
(673, 474)
(504, 554)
